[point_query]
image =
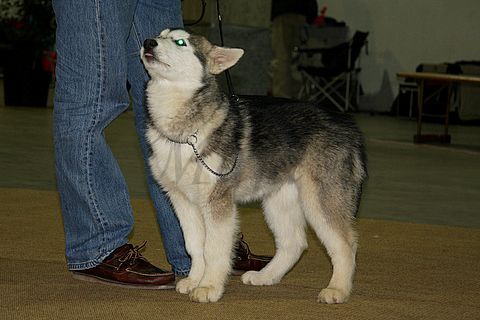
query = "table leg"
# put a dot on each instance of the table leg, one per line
(426, 138)
(447, 112)
(417, 138)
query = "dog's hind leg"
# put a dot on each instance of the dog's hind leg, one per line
(329, 211)
(220, 231)
(287, 222)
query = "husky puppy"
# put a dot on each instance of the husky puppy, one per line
(305, 164)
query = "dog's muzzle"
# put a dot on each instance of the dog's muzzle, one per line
(148, 46)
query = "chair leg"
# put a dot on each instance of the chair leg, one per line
(332, 88)
(357, 92)
(347, 92)
(327, 90)
(332, 100)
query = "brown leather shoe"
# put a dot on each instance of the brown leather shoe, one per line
(244, 260)
(126, 267)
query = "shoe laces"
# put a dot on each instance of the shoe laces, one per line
(243, 248)
(133, 254)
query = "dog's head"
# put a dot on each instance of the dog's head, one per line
(176, 55)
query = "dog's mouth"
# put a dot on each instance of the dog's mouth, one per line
(150, 57)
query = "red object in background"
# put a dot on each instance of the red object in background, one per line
(49, 60)
(320, 20)
(18, 25)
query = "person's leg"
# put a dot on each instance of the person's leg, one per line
(151, 17)
(280, 68)
(285, 35)
(90, 92)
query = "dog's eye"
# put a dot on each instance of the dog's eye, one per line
(180, 42)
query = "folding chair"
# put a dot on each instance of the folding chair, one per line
(332, 80)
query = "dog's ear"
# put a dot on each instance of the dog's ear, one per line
(223, 58)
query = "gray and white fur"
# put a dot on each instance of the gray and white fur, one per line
(306, 165)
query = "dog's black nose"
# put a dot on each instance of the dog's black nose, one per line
(150, 43)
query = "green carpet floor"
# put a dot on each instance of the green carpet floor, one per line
(404, 271)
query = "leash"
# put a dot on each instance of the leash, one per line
(193, 139)
(233, 96)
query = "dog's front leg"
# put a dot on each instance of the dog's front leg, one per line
(220, 230)
(193, 229)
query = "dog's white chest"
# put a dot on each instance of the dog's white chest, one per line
(175, 165)
(173, 162)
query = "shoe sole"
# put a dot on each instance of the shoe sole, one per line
(95, 279)
(236, 272)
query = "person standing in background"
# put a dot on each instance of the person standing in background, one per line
(288, 17)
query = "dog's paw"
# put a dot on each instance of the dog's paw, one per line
(186, 285)
(331, 296)
(206, 294)
(258, 278)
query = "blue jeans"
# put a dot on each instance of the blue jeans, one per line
(98, 44)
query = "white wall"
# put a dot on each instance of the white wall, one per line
(405, 33)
